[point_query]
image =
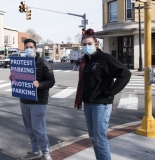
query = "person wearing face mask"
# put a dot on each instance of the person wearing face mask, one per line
(34, 112)
(96, 89)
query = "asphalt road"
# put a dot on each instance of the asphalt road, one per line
(63, 121)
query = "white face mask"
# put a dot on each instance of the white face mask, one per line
(29, 52)
(89, 49)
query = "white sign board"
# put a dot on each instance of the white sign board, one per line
(133, 1)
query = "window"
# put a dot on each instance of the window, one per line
(5, 39)
(8, 39)
(128, 9)
(23, 39)
(13, 40)
(113, 11)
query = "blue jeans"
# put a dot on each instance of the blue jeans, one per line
(97, 118)
(34, 119)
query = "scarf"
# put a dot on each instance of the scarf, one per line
(80, 88)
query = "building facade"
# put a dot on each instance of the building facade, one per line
(21, 37)
(11, 39)
(1, 33)
(121, 31)
(56, 51)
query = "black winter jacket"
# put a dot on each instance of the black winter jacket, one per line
(99, 73)
(45, 77)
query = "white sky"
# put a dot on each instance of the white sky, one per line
(50, 25)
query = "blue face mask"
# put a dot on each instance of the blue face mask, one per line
(89, 49)
(29, 52)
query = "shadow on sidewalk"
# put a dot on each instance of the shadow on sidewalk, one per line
(4, 156)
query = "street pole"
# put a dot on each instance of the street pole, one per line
(140, 43)
(147, 127)
(5, 50)
(84, 17)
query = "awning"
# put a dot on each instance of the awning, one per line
(114, 32)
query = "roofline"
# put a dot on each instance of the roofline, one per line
(13, 29)
(2, 12)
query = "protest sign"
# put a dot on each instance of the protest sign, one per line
(23, 73)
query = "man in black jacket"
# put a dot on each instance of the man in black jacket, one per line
(33, 112)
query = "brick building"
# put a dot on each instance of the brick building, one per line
(121, 31)
(21, 37)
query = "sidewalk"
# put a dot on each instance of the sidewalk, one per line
(138, 73)
(124, 144)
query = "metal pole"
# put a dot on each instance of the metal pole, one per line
(5, 50)
(140, 43)
(84, 17)
(147, 127)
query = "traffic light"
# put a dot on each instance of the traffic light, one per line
(23, 7)
(28, 14)
(83, 31)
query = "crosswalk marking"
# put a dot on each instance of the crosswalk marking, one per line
(56, 70)
(65, 93)
(67, 71)
(5, 85)
(129, 84)
(8, 90)
(2, 81)
(135, 83)
(132, 87)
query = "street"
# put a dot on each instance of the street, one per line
(63, 121)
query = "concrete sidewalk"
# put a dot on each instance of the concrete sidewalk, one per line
(124, 144)
(126, 147)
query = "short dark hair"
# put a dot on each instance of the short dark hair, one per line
(29, 40)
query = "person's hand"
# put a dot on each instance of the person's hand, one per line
(10, 77)
(78, 106)
(36, 84)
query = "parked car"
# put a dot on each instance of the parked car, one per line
(49, 59)
(64, 59)
(6, 61)
(78, 61)
(1, 60)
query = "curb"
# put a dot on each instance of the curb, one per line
(68, 148)
(85, 136)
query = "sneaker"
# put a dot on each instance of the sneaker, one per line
(46, 158)
(31, 155)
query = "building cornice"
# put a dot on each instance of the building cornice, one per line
(2, 12)
(12, 29)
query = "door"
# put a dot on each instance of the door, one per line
(126, 51)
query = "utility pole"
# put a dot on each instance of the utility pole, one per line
(140, 43)
(147, 127)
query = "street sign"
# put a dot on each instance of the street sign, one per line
(84, 22)
(133, 1)
(80, 26)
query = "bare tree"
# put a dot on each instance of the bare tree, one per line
(48, 41)
(69, 39)
(34, 35)
(78, 38)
